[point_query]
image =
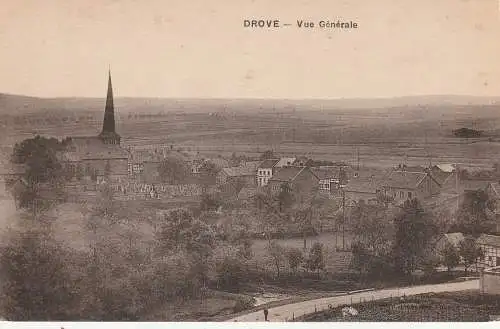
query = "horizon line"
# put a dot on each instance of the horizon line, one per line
(259, 98)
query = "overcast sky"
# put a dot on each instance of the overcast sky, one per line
(199, 48)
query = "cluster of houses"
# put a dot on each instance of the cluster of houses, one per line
(302, 175)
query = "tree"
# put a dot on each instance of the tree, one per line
(180, 230)
(316, 261)
(470, 252)
(451, 256)
(210, 202)
(270, 217)
(230, 273)
(276, 254)
(414, 229)
(371, 228)
(475, 215)
(173, 170)
(39, 156)
(360, 258)
(35, 284)
(295, 258)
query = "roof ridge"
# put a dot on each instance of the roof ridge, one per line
(302, 169)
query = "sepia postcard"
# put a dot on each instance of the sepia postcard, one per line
(249, 161)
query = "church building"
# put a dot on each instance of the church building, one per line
(94, 157)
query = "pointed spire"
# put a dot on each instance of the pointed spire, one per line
(108, 126)
(109, 111)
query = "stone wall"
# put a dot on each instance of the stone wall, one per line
(142, 191)
(490, 281)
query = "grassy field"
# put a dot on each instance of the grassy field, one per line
(384, 137)
(469, 306)
(335, 260)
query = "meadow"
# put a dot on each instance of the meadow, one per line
(380, 137)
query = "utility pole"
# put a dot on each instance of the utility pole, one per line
(343, 219)
(357, 164)
(456, 186)
(343, 211)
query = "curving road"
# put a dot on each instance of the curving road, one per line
(285, 312)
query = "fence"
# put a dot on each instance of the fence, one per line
(418, 308)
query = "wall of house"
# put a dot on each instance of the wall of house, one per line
(402, 194)
(263, 176)
(489, 281)
(428, 187)
(358, 195)
(491, 255)
(221, 178)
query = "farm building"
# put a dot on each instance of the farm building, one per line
(298, 179)
(403, 185)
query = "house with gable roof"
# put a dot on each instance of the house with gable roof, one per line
(402, 185)
(298, 180)
(265, 171)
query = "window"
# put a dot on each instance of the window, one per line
(401, 194)
(409, 195)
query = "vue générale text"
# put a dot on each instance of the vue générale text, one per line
(300, 23)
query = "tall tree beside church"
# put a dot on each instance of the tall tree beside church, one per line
(42, 165)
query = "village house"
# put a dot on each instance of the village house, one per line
(364, 183)
(243, 175)
(402, 185)
(490, 244)
(298, 179)
(265, 171)
(329, 177)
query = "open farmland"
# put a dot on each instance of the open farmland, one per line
(383, 137)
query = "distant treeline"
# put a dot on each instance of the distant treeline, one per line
(467, 133)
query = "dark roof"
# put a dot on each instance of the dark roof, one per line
(439, 175)
(247, 169)
(495, 187)
(247, 193)
(362, 185)
(404, 179)
(269, 163)
(287, 174)
(489, 240)
(326, 173)
(474, 185)
(81, 148)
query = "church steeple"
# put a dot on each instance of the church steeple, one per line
(108, 134)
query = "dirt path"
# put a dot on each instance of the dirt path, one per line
(286, 312)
